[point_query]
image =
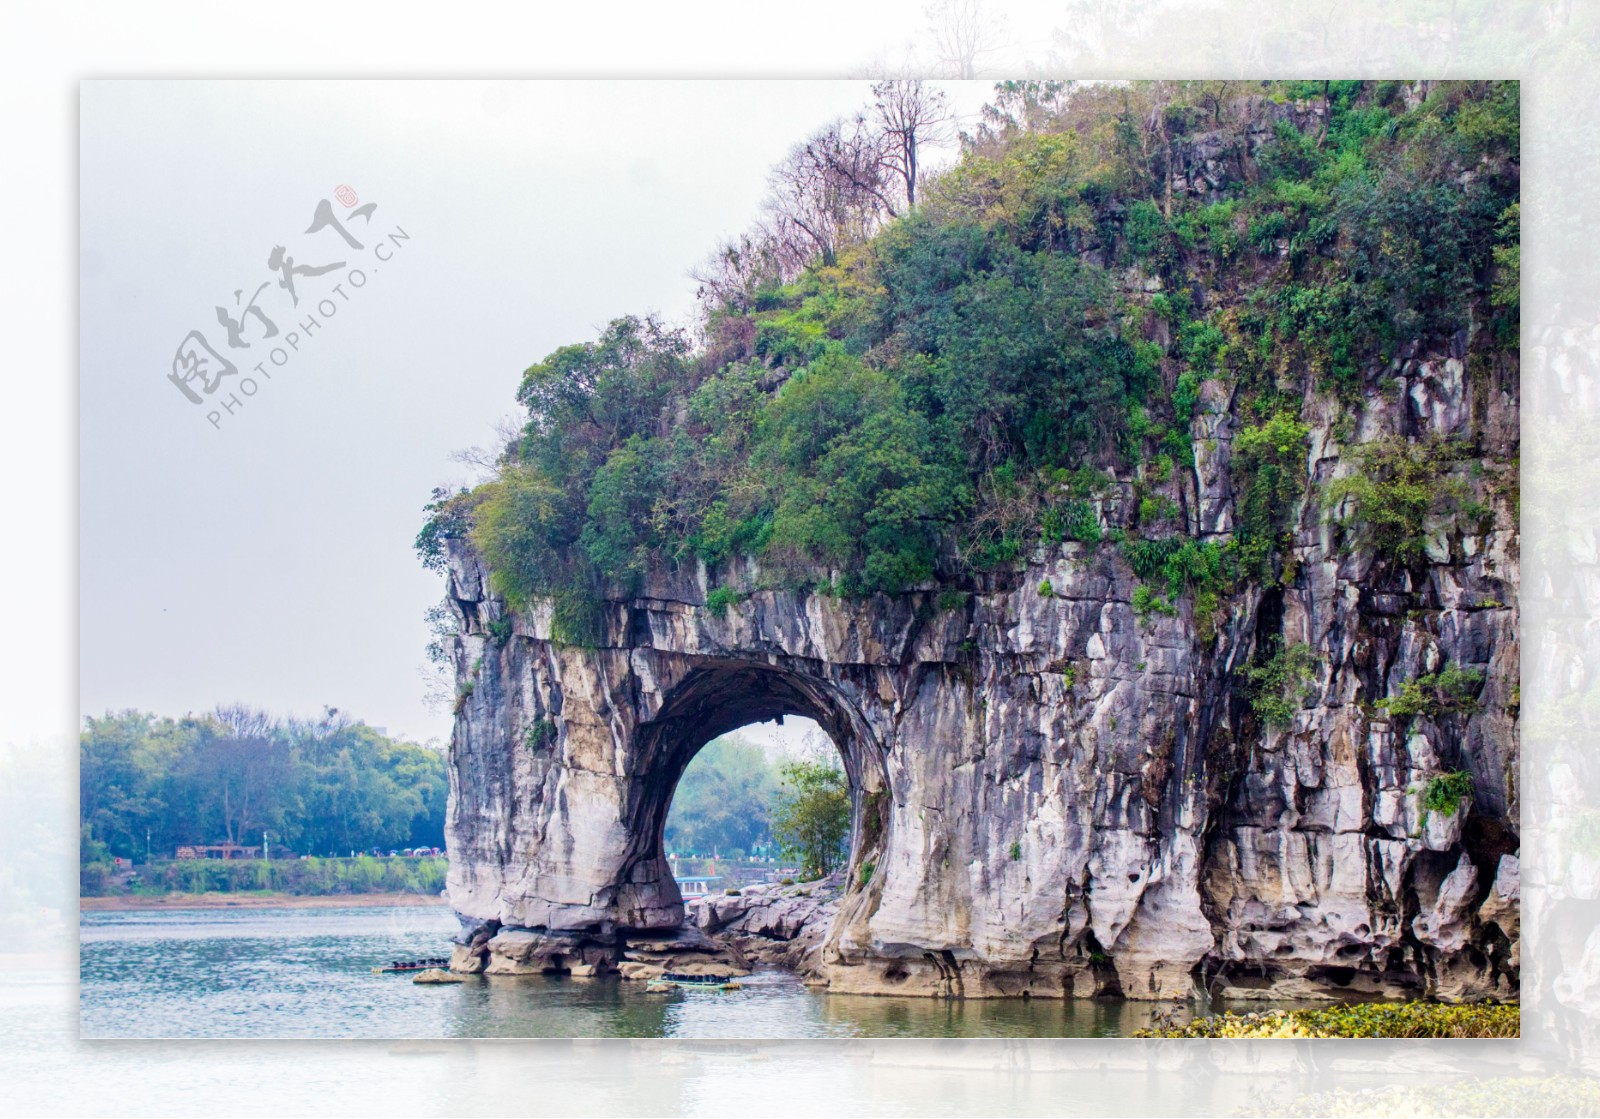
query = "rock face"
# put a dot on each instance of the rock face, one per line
(780, 925)
(682, 951)
(1054, 794)
(436, 976)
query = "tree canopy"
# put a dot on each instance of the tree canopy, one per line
(902, 382)
(325, 786)
(723, 803)
(812, 818)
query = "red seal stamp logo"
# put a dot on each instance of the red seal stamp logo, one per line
(346, 195)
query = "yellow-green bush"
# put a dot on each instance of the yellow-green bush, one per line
(1378, 1019)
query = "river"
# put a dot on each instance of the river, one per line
(294, 973)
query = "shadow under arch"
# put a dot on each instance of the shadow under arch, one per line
(721, 696)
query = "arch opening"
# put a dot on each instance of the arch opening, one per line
(720, 699)
(724, 814)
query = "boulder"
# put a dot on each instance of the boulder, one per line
(435, 975)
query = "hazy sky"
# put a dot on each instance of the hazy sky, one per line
(267, 557)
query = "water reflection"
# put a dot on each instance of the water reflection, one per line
(307, 973)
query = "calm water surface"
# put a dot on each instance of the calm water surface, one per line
(307, 973)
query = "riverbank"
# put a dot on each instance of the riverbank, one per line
(363, 875)
(264, 899)
(1373, 1019)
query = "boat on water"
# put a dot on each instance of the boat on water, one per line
(396, 967)
(673, 980)
(696, 886)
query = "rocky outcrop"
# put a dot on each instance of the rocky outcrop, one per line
(519, 951)
(515, 950)
(684, 951)
(1055, 793)
(778, 925)
(437, 976)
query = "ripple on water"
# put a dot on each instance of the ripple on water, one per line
(307, 973)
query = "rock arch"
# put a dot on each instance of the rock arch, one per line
(721, 695)
(1050, 788)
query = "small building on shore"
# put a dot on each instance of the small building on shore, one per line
(219, 851)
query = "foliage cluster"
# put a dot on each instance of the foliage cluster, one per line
(541, 734)
(326, 786)
(720, 599)
(812, 819)
(1397, 487)
(934, 392)
(1269, 463)
(1378, 1019)
(1443, 793)
(1280, 685)
(1452, 690)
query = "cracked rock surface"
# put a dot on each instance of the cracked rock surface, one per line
(1058, 795)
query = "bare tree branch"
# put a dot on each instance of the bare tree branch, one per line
(911, 115)
(965, 34)
(829, 192)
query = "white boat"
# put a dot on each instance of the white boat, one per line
(696, 887)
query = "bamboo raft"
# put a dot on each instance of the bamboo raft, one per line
(398, 967)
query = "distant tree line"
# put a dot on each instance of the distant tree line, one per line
(734, 799)
(307, 877)
(723, 804)
(324, 786)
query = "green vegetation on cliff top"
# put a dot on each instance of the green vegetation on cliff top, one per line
(937, 387)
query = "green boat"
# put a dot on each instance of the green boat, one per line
(698, 982)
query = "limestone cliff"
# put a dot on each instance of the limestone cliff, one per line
(1053, 795)
(1099, 766)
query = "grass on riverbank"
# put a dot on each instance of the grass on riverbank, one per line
(121, 903)
(311, 877)
(1378, 1019)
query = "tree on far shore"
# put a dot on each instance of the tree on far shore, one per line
(812, 819)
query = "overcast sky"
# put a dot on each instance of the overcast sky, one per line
(266, 557)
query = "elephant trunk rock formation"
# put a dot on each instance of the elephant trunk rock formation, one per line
(1055, 794)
